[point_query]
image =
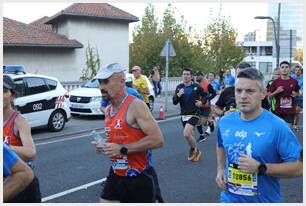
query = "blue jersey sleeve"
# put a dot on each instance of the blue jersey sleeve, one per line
(288, 146)
(133, 92)
(104, 103)
(9, 160)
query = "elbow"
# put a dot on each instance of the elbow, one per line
(160, 142)
(32, 154)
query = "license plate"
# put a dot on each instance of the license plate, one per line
(78, 106)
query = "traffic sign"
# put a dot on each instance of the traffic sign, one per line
(168, 50)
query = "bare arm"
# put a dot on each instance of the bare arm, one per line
(139, 114)
(21, 176)
(27, 151)
(140, 117)
(283, 170)
(221, 177)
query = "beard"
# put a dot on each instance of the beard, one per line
(105, 95)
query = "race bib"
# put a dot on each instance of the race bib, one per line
(185, 118)
(241, 183)
(120, 164)
(285, 102)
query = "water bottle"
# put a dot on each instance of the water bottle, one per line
(97, 137)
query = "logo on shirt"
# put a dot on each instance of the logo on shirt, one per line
(258, 134)
(242, 134)
(226, 133)
(118, 124)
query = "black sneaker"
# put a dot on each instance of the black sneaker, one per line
(202, 138)
(212, 126)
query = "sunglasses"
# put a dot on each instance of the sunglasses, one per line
(5, 89)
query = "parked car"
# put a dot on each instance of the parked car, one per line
(86, 100)
(41, 99)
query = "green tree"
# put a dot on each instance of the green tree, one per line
(220, 46)
(93, 63)
(146, 46)
(299, 55)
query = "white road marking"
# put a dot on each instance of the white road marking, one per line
(86, 135)
(85, 186)
(66, 192)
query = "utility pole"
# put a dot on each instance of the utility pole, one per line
(278, 31)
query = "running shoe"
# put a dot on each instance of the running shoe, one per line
(197, 156)
(192, 154)
(202, 138)
(212, 126)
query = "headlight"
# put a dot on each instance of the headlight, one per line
(96, 99)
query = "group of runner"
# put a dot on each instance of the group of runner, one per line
(250, 158)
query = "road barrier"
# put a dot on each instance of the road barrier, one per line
(172, 83)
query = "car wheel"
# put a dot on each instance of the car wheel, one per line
(151, 103)
(57, 121)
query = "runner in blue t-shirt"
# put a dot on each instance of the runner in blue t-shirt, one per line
(299, 99)
(255, 148)
(17, 175)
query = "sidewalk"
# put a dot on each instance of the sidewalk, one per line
(172, 110)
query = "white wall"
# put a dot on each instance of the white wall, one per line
(53, 62)
(109, 37)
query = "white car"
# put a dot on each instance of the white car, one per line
(41, 99)
(87, 99)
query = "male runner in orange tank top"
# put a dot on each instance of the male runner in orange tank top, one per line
(132, 133)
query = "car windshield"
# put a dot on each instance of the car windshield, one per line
(91, 84)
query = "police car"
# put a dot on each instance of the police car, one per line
(41, 99)
(87, 99)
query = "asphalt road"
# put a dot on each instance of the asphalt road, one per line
(70, 171)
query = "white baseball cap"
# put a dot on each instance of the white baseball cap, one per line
(106, 71)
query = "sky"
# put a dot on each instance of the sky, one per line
(196, 14)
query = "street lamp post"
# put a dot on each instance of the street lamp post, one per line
(276, 37)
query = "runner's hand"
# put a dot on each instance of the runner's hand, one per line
(111, 149)
(181, 92)
(248, 164)
(221, 179)
(198, 103)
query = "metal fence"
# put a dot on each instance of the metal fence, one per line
(172, 83)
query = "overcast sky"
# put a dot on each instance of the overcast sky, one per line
(196, 14)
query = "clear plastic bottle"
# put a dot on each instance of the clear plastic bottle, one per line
(100, 140)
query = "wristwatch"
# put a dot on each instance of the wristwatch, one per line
(262, 168)
(123, 150)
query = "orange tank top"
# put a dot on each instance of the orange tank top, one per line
(8, 131)
(119, 131)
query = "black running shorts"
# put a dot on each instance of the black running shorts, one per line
(194, 120)
(142, 188)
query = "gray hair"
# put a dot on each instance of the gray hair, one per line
(253, 74)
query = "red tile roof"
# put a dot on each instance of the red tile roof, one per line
(17, 34)
(96, 10)
(40, 24)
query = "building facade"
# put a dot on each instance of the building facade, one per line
(291, 18)
(56, 46)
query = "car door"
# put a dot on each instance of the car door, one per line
(37, 102)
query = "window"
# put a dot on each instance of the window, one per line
(20, 87)
(265, 67)
(35, 85)
(51, 84)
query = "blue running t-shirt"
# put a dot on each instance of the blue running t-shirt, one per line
(268, 139)
(9, 160)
